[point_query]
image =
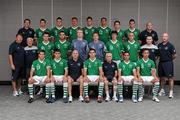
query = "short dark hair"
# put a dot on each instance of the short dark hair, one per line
(56, 50)
(46, 33)
(145, 49)
(19, 34)
(74, 18)
(58, 18)
(89, 17)
(41, 51)
(95, 33)
(92, 49)
(131, 20)
(114, 32)
(126, 52)
(42, 19)
(27, 19)
(104, 18)
(117, 21)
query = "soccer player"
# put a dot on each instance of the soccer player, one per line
(93, 73)
(31, 54)
(110, 75)
(133, 47)
(81, 45)
(59, 74)
(75, 73)
(153, 49)
(40, 73)
(46, 45)
(127, 75)
(117, 27)
(104, 31)
(115, 47)
(16, 60)
(26, 31)
(146, 73)
(148, 32)
(57, 29)
(167, 54)
(63, 45)
(99, 46)
(89, 30)
(72, 31)
(39, 32)
(133, 30)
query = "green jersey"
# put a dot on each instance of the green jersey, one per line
(120, 35)
(92, 66)
(39, 34)
(64, 47)
(40, 67)
(136, 34)
(104, 34)
(116, 48)
(58, 66)
(133, 48)
(72, 33)
(55, 32)
(88, 33)
(48, 48)
(145, 67)
(126, 68)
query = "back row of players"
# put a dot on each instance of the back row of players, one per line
(101, 44)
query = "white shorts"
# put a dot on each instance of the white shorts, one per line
(93, 78)
(39, 79)
(127, 79)
(117, 61)
(58, 78)
(147, 80)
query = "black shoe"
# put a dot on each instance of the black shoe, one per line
(30, 100)
(53, 100)
(48, 100)
(65, 100)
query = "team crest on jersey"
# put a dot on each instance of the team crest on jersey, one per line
(149, 64)
(128, 47)
(123, 67)
(100, 32)
(54, 65)
(111, 47)
(40, 33)
(135, 33)
(42, 48)
(166, 48)
(89, 65)
(65, 45)
(92, 30)
(61, 63)
(135, 45)
(130, 66)
(86, 32)
(38, 67)
(142, 65)
(49, 46)
(56, 33)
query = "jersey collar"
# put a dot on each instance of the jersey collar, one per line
(59, 28)
(74, 27)
(42, 29)
(103, 27)
(145, 60)
(62, 42)
(131, 42)
(92, 60)
(127, 62)
(132, 30)
(89, 27)
(57, 60)
(114, 42)
(41, 61)
(45, 43)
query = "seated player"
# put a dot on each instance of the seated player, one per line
(40, 73)
(59, 74)
(93, 73)
(110, 75)
(146, 72)
(127, 75)
(75, 72)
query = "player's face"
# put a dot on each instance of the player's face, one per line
(80, 34)
(41, 55)
(108, 57)
(145, 54)
(131, 36)
(149, 40)
(42, 24)
(59, 23)
(126, 56)
(19, 39)
(132, 24)
(114, 36)
(89, 22)
(116, 26)
(29, 42)
(27, 23)
(74, 22)
(62, 36)
(57, 55)
(95, 37)
(92, 54)
(75, 54)
(46, 37)
(149, 26)
(103, 22)
(165, 37)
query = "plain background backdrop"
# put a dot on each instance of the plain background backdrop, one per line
(164, 14)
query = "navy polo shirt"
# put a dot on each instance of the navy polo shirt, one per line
(166, 51)
(26, 33)
(109, 68)
(17, 52)
(145, 33)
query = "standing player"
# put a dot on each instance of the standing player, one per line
(16, 60)
(58, 28)
(115, 47)
(117, 27)
(63, 45)
(133, 47)
(98, 45)
(146, 72)
(40, 73)
(39, 32)
(81, 45)
(89, 30)
(167, 54)
(75, 73)
(72, 31)
(104, 31)
(110, 75)
(93, 73)
(59, 74)
(26, 32)
(127, 75)
(132, 29)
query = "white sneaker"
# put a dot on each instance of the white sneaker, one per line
(115, 99)
(155, 99)
(134, 99)
(171, 94)
(40, 91)
(107, 99)
(162, 92)
(81, 99)
(20, 92)
(15, 93)
(140, 99)
(121, 98)
(70, 99)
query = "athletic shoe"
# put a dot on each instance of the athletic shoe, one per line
(100, 99)
(48, 100)
(115, 99)
(162, 93)
(134, 99)
(171, 94)
(53, 100)
(15, 93)
(70, 99)
(40, 91)
(65, 99)
(31, 100)
(81, 99)
(120, 98)
(20, 92)
(140, 99)
(156, 99)
(107, 99)
(86, 99)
